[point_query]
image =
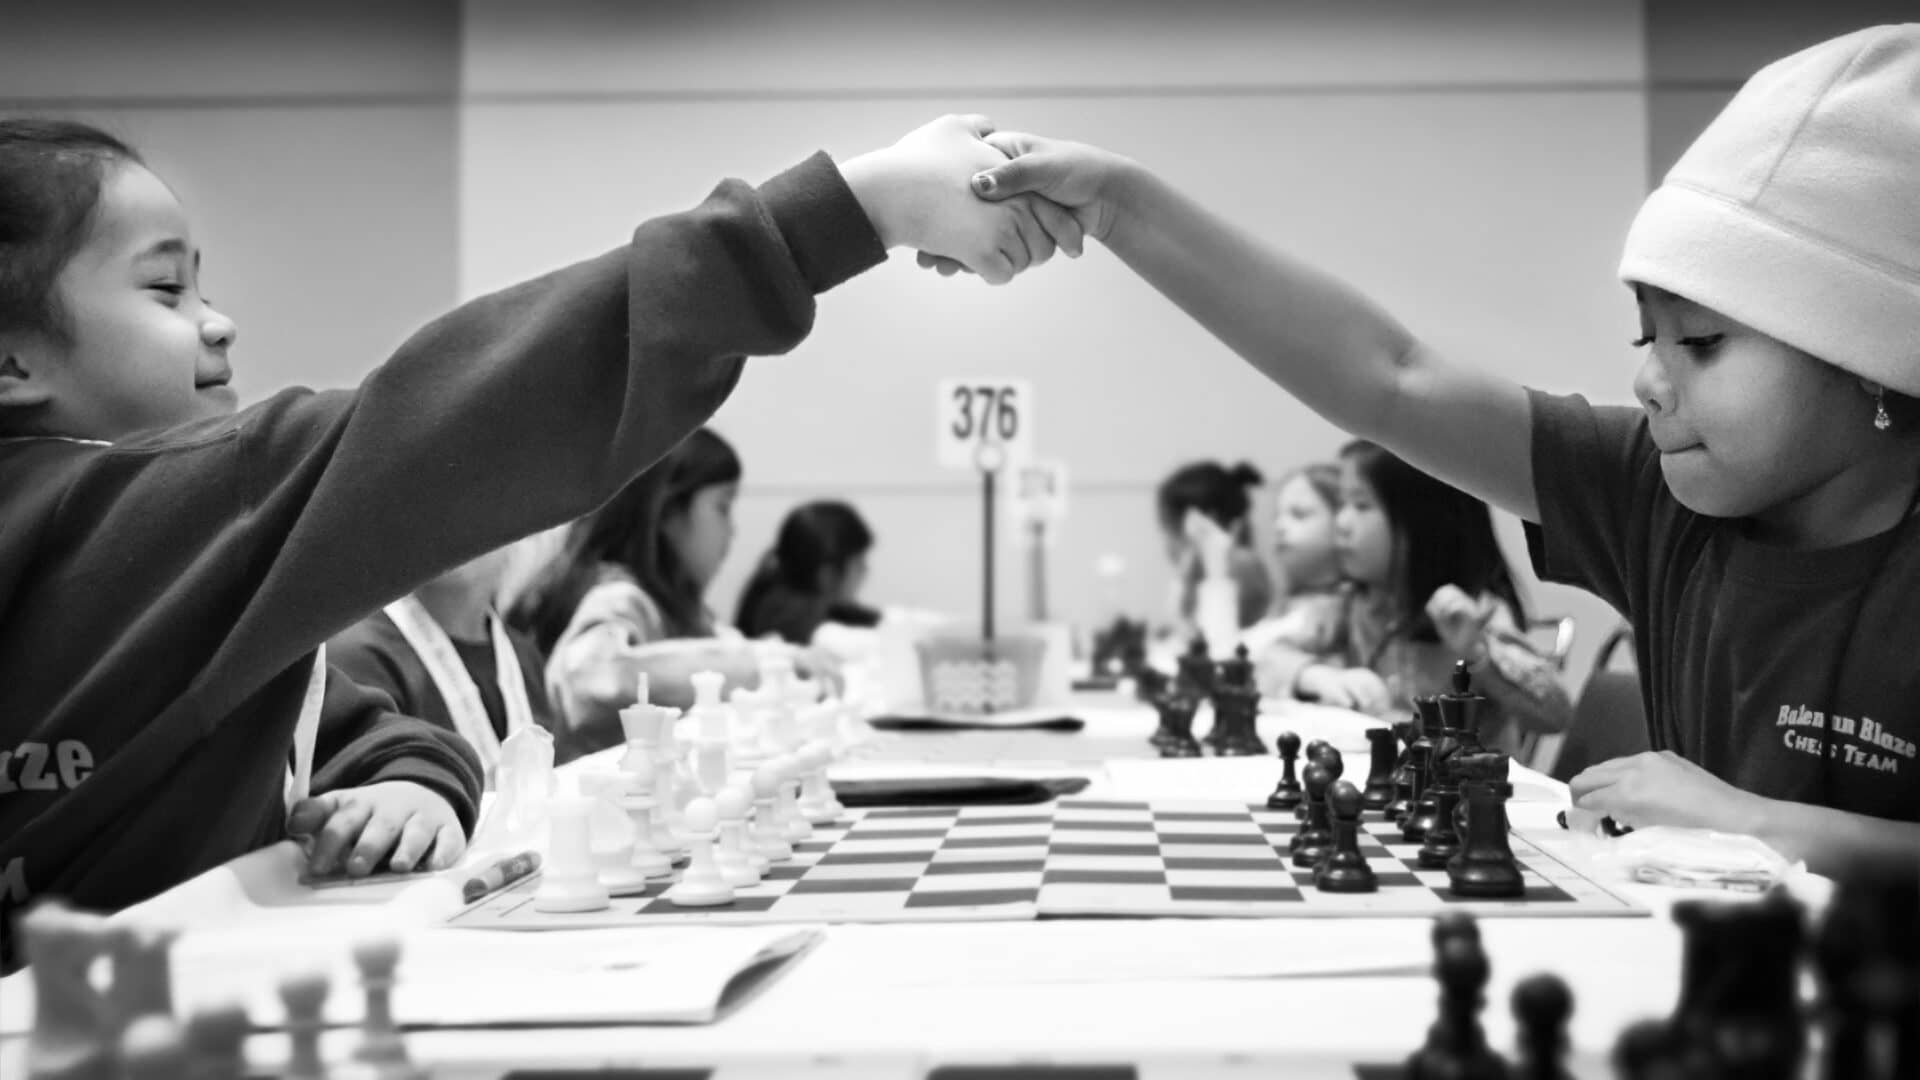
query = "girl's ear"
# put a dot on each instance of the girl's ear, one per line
(19, 388)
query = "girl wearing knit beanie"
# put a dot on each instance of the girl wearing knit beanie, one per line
(1752, 518)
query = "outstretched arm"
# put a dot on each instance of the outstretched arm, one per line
(1318, 338)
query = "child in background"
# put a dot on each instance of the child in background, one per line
(1311, 607)
(811, 579)
(1752, 518)
(1430, 587)
(1203, 507)
(171, 566)
(627, 596)
(443, 655)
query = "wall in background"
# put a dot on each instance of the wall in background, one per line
(355, 168)
(1472, 166)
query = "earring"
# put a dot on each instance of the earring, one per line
(1881, 421)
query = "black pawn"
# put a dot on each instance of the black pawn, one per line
(1379, 790)
(1425, 806)
(1739, 1002)
(1542, 1005)
(1649, 1050)
(1345, 869)
(1322, 751)
(1286, 795)
(1315, 839)
(1456, 1046)
(1442, 841)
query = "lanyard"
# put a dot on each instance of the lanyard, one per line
(307, 731)
(456, 685)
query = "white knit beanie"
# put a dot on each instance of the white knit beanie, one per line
(1797, 212)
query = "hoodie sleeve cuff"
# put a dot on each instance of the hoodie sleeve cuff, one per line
(823, 224)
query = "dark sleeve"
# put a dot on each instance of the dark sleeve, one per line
(516, 412)
(1590, 471)
(364, 740)
(853, 615)
(373, 653)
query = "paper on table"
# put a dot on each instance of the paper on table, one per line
(468, 978)
(1131, 950)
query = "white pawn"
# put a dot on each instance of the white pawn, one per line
(792, 824)
(570, 882)
(701, 884)
(305, 997)
(642, 809)
(767, 838)
(611, 836)
(816, 793)
(151, 1049)
(381, 1046)
(738, 866)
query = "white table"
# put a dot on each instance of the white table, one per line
(891, 1000)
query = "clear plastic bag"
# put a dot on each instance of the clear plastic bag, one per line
(1696, 859)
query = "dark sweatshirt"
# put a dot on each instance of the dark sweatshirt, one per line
(161, 599)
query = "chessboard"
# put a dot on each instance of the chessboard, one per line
(1074, 857)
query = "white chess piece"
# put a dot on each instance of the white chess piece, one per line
(749, 728)
(766, 838)
(151, 1049)
(570, 882)
(381, 1047)
(611, 833)
(816, 793)
(701, 885)
(304, 995)
(713, 738)
(637, 800)
(788, 819)
(738, 866)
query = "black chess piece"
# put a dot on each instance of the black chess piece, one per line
(1441, 841)
(1315, 838)
(1650, 1050)
(1427, 779)
(1403, 792)
(1345, 869)
(1379, 790)
(1739, 1004)
(1236, 707)
(1163, 736)
(1286, 795)
(1180, 743)
(1325, 754)
(1867, 954)
(1459, 711)
(1542, 1004)
(1484, 867)
(1456, 1046)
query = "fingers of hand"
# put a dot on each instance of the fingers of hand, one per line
(338, 834)
(308, 815)
(376, 841)
(1039, 241)
(416, 843)
(449, 843)
(980, 126)
(1061, 225)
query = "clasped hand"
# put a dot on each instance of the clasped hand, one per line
(972, 199)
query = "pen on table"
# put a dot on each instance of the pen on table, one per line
(1607, 824)
(499, 874)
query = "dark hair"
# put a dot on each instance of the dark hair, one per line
(626, 532)
(816, 537)
(1211, 488)
(1441, 536)
(51, 173)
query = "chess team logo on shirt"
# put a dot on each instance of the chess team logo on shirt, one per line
(1858, 741)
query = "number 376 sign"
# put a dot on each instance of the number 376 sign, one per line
(984, 423)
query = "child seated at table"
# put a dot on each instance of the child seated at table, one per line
(1429, 587)
(444, 655)
(1204, 507)
(1311, 604)
(811, 579)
